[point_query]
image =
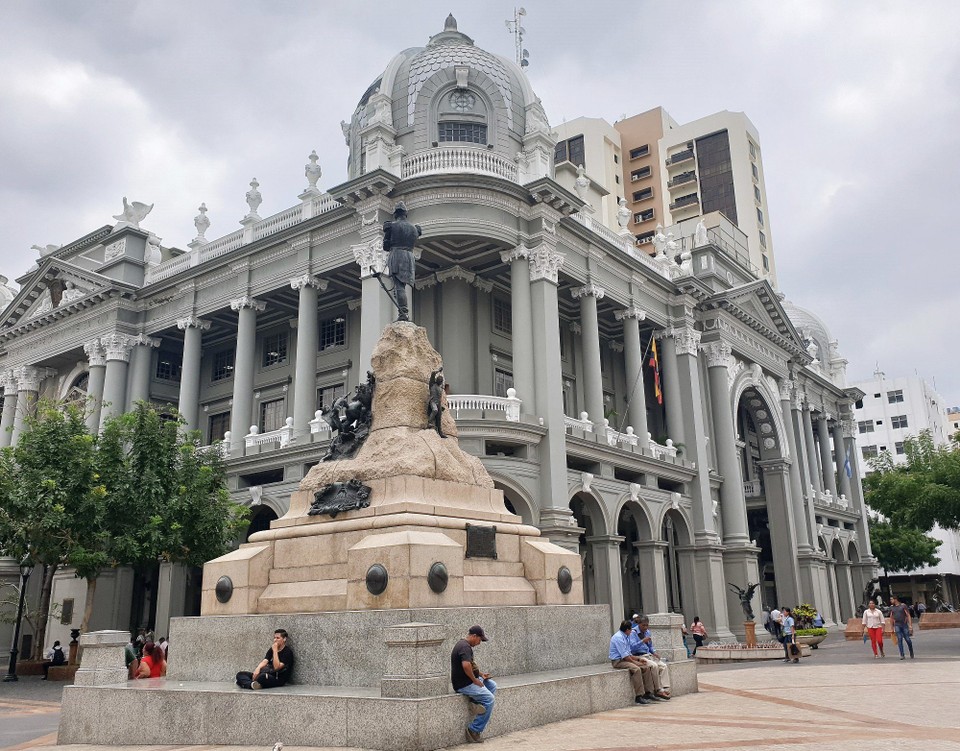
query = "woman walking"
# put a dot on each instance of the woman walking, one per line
(699, 633)
(873, 625)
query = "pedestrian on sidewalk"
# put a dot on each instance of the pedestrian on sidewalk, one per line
(787, 638)
(873, 626)
(902, 625)
(685, 635)
(699, 632)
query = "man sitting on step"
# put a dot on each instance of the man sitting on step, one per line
(274, 669)
(641, 645)
(641, 673)
(469, 681)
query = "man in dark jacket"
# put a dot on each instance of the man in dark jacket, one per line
(399, 240)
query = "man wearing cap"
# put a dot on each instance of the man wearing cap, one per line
(469, 681)
(641, 674)
(399, 240)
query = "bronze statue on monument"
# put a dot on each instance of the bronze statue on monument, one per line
(399, 240)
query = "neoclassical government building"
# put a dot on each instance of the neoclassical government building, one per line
(660, 407)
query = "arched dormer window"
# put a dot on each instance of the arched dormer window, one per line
(462, 118)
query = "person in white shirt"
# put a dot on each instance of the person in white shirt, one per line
(873, 626)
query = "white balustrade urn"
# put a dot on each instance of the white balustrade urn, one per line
(152, 254)
(132, 214)
(623, 214)
(248, 302)
(282, 436)
(582, 423)
(254, 199)
(202, 223)
(312, 172)
(318, 424)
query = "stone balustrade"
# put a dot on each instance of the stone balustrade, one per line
(458, 160)
(582, 423)
(509, 405)
(283, 435)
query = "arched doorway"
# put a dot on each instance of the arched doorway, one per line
(766, 484)
(638, 570)
(260, 520)
(843, 585)
(593, 547)
(77, 392)
(677, 563)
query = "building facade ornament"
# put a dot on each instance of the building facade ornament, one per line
(202, 223)
(28, 378)
(115, 250)
(575, 327)
(455, 273)
(306, 280)
(142, 340)
(633, 312)
(616, 346)
(518, 253)
(370, 257)
(117, 346)
(719, 354)
(786, 390)
(8, 379)
(312, 171)
(849, 428)
(248, 302)
(686, 339)
(545, 263)
(590, 289)
(254, 199)
(96, 357)
(192, 322)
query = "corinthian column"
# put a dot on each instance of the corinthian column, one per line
(826, 462)
(141, 358)
(96, 368)
(633, 360)
(243, 369)
(116, 348)
(521, 325)
(28, 388)
(308, 343)
(189, 402)
(9, 380)
(592, 376)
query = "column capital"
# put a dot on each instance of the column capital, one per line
(117, 346)
(519, 253)
(719, 354)
(588, 290)
(616, 346)
(455, 273)
(8, 379)
(632, 312)
(248, 302)
(192, 322)
(575, 327)
(142, 340)
(306, 280)
(370, 257)
(686, 339)
(546, 262)
(849, 428)
(96, 357)
(786, 390)
(29, 377)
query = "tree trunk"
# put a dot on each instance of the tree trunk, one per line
(43, 612)
(88, 607)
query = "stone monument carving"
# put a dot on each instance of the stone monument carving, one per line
(581, 184)
(746, 597)
(350, 419)
(871, 591)
(435, 406)
(399, 240)
(338, 497)
(700, 235)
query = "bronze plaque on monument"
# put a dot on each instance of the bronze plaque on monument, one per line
(481, 542)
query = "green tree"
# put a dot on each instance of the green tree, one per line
(899, 548)
(921, 492)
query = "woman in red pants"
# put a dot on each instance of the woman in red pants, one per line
(873, 625)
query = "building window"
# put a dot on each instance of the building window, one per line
(640, 151)
(763, 240)
(645, 237)
(766, 263)
(502, 380)
(333, 332)
(327, 395)
(756, 194)
(640, 174)
(869, 452)
(571, 150)
(222, 365)
(895, 397)
(217, 425)
(272, 415)
(865, 426)
(457, 132)
(756, 172)
(643, 216)
(274, 348)
(715, 172)
(898, 421)
(616, 159)
(502, 316)
(898, 446)
(169, 366)
(563, 342)
(753, 150)
(858, 404)
(760, 217)
(617, 178)
(642, 195)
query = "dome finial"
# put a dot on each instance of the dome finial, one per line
(450, 24)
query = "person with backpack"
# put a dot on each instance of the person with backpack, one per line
(54, 656)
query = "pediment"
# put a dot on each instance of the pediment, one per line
(757, 305)
(56, 286)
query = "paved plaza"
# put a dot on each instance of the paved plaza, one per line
(834, 701)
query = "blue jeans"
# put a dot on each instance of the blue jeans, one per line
(482, 695)
(903, 634)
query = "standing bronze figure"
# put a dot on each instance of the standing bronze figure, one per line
(746, 596)
(399, 240)
(435, 402)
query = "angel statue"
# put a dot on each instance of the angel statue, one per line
(133, 214)
(746, 595)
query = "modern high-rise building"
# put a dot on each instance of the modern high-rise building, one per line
(891, 410)
(673, 172)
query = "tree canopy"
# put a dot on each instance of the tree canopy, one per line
(920, 492)
(899, 548)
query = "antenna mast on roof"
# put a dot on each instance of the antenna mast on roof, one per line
(514, 27)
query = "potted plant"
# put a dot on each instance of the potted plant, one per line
(811, 636)
(803, 616)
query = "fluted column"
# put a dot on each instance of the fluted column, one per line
(826, 461)
(804, 533)
(521, 326)
(633, 361)
(592, 376)
(116, 348)
(28, 387)
(141, 358)
(244, 367)
(308, 344)
(96, 368)
(815, 477)
(733, 504)
(9, 407)
(856, 486)
(189, 401)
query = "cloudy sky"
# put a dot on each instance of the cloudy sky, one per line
(182, 101)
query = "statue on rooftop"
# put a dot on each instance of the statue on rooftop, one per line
(700, 235)
(133, 214)
(399, 240)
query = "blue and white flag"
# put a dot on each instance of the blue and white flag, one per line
(847, 466)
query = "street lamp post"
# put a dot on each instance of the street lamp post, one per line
(26, 568)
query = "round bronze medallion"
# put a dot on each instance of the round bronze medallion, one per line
(437, 577)
(565, 580)
(224, 588)
(377, 579)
